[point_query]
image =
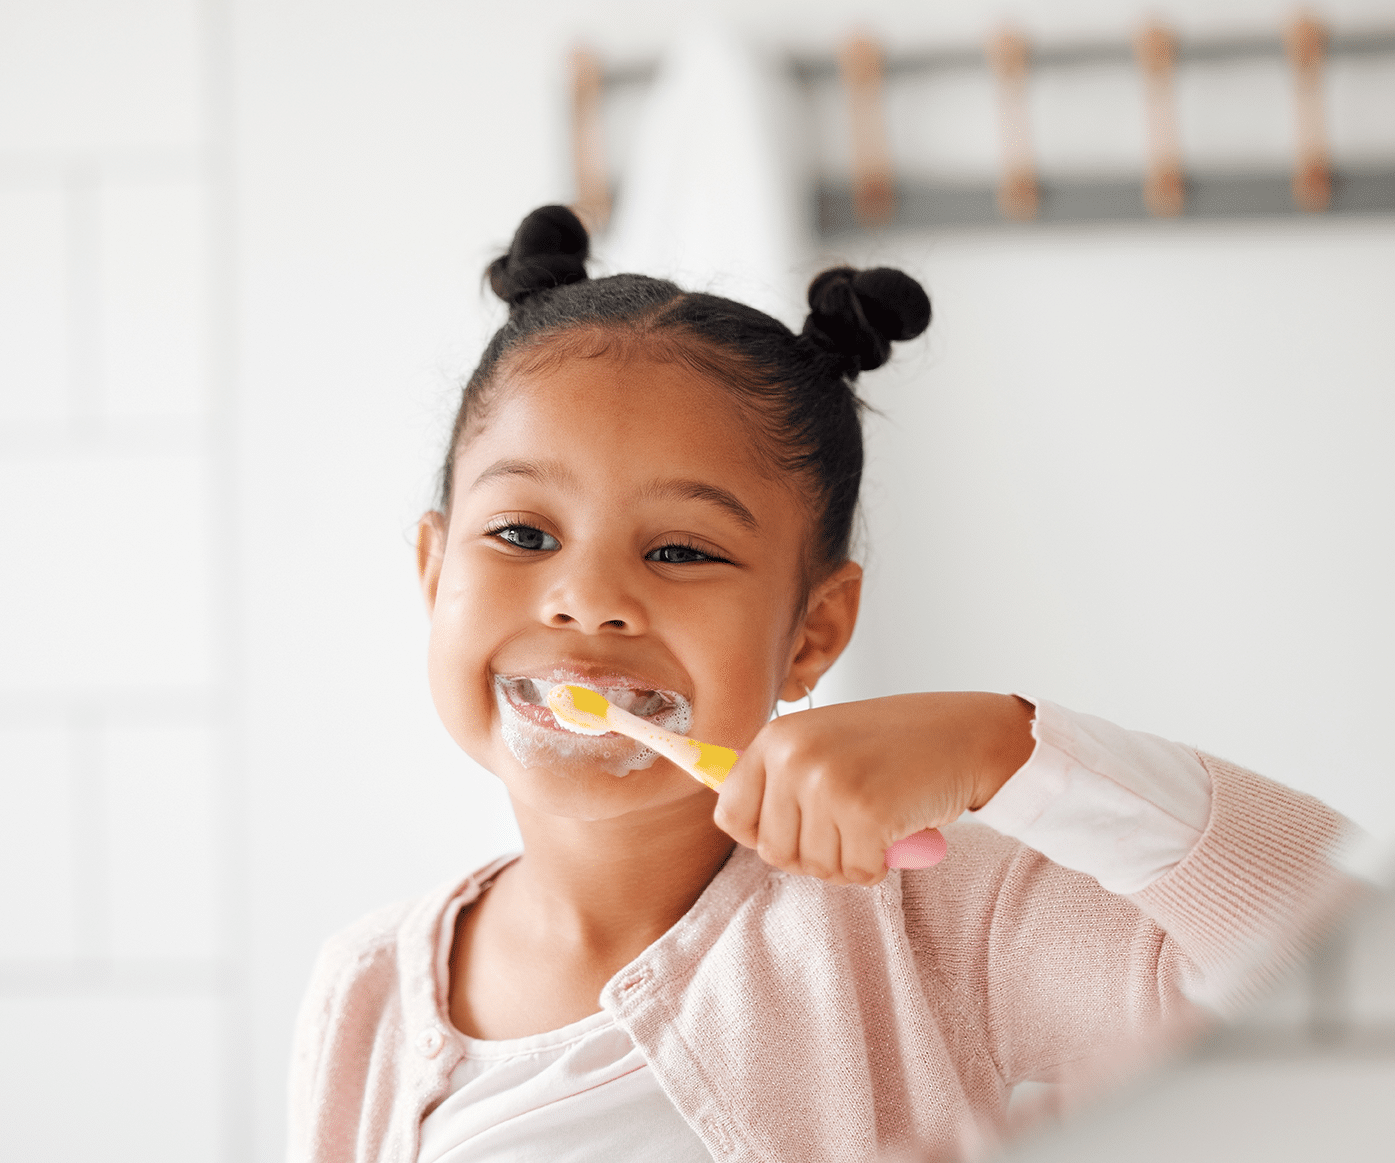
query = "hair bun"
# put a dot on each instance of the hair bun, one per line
(860, 314)
(549, 249)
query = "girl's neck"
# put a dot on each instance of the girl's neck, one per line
(612, 887)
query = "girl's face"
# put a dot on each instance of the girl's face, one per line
(613, 524)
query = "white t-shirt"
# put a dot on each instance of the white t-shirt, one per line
(583, 1092)
(1119, 805)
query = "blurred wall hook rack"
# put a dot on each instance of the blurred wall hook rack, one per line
(882, 190)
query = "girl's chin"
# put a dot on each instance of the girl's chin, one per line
(577, 792)
(582, 764)
(561, 753)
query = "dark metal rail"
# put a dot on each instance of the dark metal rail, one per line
(925, 205)
(1048, 55)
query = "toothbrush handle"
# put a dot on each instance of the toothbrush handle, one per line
(705, 762)
(710, 764)
(918, 850)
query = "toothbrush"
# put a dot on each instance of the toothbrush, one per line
(580, 709)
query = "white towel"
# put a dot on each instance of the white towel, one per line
(715, 196)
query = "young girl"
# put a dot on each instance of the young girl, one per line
(651, 492)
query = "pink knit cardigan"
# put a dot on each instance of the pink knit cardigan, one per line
(790, 1020)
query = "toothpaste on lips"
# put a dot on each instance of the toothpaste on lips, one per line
(533, 737)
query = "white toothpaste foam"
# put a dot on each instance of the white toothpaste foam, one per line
(536, 746)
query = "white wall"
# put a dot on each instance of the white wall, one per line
(241, 247)
(1144, 472)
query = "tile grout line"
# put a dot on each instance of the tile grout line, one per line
(237, 1136)
(20, 170)
(83, 264)
(161, 705)
(91, 841)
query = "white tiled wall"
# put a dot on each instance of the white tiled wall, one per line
(161, 854)
(153, 287)
(87, 81)
(116, 969)
(38, 838)
(119, 600)
(128, 1073)
(34, 312)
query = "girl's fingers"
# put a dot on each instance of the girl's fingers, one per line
(861, 860)
(864, 858)
(760, 810)
(739, 801)
(820, 846)
(777, 841)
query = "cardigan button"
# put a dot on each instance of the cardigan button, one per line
(430, 1041)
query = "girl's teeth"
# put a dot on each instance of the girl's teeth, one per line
(641, 703)
(645, 704)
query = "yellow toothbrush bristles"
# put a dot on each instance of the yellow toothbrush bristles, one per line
(579, 709)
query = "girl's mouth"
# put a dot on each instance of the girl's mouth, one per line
(538, 740)
(529, 696)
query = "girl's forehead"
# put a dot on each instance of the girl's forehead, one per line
(623, 414)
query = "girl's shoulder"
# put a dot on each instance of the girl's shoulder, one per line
(371, 1015)
(372, 997)
(390, 951)
(370, 935)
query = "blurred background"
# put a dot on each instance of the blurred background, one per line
(1141, 466)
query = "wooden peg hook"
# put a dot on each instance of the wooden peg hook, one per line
(1164, 189)
(1009, 56)
(1306, 40)
(588, 142)
(874, 182)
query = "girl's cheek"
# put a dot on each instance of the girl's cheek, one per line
(749, 662)
(457, 660)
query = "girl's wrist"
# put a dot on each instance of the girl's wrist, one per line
(1009, 744)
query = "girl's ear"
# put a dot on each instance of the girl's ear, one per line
(827, 627)
(431, 548)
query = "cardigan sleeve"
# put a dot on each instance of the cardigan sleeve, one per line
(1123, 806)
(349, 1014)
(1058, 973)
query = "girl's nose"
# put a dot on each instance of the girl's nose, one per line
(595, 601)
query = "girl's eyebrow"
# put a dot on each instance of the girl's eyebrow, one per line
(544, 472)
(702, 491)
(552, 473)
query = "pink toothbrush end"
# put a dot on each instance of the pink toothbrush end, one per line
(919, 850)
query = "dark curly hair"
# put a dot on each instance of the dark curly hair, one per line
(797, 389)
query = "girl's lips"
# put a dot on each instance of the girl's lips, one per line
(536, 740)
(527, 695)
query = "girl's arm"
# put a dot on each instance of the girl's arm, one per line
(1173, 878)
(1063, 978)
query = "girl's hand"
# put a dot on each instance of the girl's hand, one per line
(826, 792)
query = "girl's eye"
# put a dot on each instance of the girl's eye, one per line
(526, 537)
(679, 555)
